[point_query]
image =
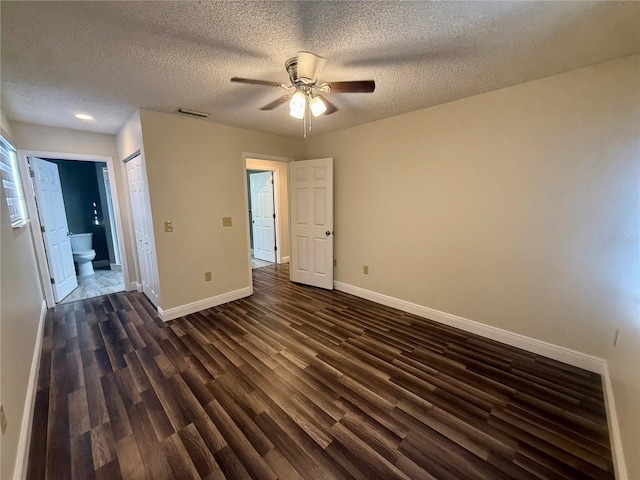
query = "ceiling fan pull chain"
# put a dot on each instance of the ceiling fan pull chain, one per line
(308, 112)
(304, 122)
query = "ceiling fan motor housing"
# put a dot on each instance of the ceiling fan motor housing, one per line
(292, 69)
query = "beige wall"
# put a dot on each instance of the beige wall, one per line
(21, 301)
(196, 176)
(62, 140)
(281, 170)
(516, 208)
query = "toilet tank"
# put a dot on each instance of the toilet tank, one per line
(81, 241)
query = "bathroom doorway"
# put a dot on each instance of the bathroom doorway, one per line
(89, 206)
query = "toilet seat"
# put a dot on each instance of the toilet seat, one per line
(84, 252)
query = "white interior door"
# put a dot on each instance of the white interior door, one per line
(112, 223)
(53, 220)
(262, 216)
(311, 186)
(143, 226)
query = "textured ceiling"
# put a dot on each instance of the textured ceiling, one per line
(109, 58)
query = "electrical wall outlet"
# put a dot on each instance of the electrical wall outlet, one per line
(207, 276)
(168, 226)
(226, 221)
(365, 269)
(3, 420)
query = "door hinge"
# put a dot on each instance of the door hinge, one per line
(42, 229)
(32, 173)
(274, 215)
(275, 248)
(53, 281)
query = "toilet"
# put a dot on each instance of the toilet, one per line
(83, 254)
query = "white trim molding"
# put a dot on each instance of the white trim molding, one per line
(41, 256)
(182, 310)
(555, 352)
(620, 468)
(24, 440)
(539, 347)
(285, 259)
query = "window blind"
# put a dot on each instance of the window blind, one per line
(11, 182)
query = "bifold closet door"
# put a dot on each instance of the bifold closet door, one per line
(143, 225)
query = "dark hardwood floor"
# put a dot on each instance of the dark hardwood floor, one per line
(301, 383)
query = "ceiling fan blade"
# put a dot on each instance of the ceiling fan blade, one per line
(356, 86)
(255, 82)
(310, 65)
(276, 103)
(331, 108)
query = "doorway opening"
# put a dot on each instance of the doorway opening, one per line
(267, 200)
(75, 223)
(262, 218)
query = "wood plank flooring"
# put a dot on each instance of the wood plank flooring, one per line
(301, 383)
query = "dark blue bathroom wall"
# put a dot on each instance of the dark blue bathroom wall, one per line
(80, 191)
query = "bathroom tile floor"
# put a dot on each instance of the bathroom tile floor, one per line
(101, 282)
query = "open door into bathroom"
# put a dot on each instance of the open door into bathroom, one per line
(53, 223)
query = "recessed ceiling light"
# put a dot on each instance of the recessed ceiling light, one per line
(83, 116)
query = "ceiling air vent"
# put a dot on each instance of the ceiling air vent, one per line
(195, 113)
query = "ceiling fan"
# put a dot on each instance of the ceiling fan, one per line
(308, 101)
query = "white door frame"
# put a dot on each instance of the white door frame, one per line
(276, 204)
(34, 223)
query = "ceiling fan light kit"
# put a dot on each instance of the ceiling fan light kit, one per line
(298, 105)
(317, 106)
(307, 103)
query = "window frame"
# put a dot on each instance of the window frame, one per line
(12, 184)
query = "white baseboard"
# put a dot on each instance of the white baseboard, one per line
(115, 267)
(555, 352)
(549, 350)
(284, 260)
(619, 466)
(24, 440)
(134, 286)
(182, 310)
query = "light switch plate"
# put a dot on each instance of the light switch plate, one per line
(168, 226)
(226, 221)
(365, 270)
(207, 276)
